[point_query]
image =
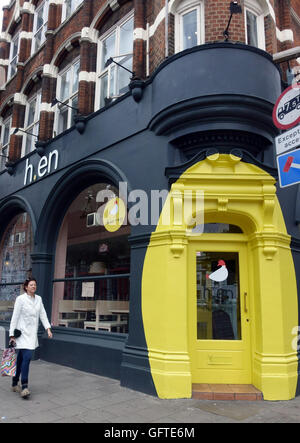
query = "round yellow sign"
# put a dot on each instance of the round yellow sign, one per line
(114, 214)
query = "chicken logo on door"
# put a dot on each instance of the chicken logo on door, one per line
(220, 274)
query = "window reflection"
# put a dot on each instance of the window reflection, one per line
(217, 228)
(15, 262)
(92, 266)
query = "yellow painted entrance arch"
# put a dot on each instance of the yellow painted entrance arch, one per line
(241, 194)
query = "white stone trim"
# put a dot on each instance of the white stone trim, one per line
(140, 34)
(87, 76)
(50, 71)
(5, 37)
(19, 98)
(4, 61)
(90, 35)
(46, 107)
(114, 4)
(286, 35)
(26, 35)
(28, 7)
(288, 54)
(56, 2)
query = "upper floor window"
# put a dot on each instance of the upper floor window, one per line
(69, 6)
(32, 116)
(254, 24)
(5, 133)
(40, 25)
(189, 24)
(112, 79)
(67, 93)
(13, 56)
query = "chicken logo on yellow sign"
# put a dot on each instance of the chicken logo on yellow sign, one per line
(114, 214)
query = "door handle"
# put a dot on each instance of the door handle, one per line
(245, 302)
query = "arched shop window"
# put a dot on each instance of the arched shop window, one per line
(92, 265)
(15, 261)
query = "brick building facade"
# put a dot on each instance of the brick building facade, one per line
(65, 38)
(192, 110)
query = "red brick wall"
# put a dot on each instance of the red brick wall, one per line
(146, 12)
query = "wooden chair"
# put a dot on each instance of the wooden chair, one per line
(105, 308)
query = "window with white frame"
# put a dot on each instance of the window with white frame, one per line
(40, 25)
(13, 56)
(254, 24)
(31, 126)
(189, 24)
(69, 6)
(113, 80)
(67, 93)
(5, 134)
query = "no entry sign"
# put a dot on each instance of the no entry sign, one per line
(286, 112)
(289, 168)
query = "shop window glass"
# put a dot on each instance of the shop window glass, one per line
(189, 29)
(254, 24)
(32, 117)
(189, 24)
(40, 25)
(15, 262)
(217, 228)
(69, 6)
(113, 80)
(252, 37)
(67, 93)
(13, 56)
(92, 265)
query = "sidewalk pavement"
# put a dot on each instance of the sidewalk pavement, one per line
(65, 395)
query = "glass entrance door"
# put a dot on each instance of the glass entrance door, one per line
(219, 313)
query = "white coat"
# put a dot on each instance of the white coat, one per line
(27, 313)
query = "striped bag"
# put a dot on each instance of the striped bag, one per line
(8, 362)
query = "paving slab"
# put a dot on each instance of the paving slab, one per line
(65, 395)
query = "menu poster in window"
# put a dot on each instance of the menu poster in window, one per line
(88, 289)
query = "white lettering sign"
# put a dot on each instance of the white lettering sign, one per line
(45, 166)
(288, 140)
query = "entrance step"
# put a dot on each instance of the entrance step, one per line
(226, 392)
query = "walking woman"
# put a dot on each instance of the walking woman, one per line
(28, 310)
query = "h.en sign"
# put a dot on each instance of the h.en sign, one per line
(45, 165)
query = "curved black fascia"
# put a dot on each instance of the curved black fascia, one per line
(208, 46)
(214, 69)
(235, 112)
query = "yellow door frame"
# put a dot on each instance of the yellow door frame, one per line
(242, 194)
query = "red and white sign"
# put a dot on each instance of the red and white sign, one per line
(286, 112)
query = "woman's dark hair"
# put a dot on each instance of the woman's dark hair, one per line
(27, 281)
